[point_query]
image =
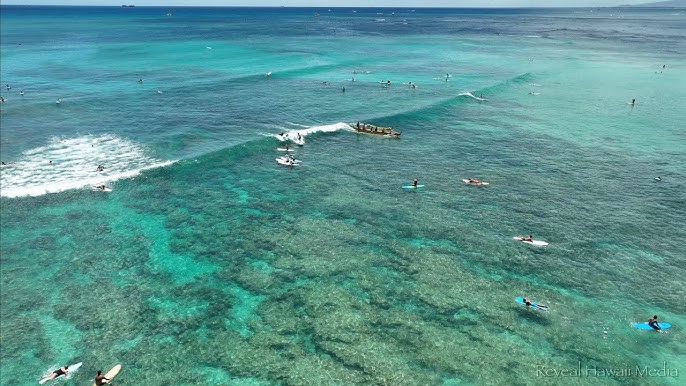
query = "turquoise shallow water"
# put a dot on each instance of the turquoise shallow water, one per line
(209, 263)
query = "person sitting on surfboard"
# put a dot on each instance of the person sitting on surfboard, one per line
(652, 322)
(414, 183)
(100, 379)
(61, 371)
(529, 238)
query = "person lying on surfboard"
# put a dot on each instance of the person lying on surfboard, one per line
(652, 322)
(61, 371)
(529, 304)
(529, 238)
(473, 181)
(100, 379)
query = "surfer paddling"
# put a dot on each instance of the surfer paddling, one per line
(529, 303)
(652, 322)
(61, 371)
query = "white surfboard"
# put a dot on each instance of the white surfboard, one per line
(111, 374)
(70, 369)
(538, 243)
(285, 162)
(107, 188)
(480, 183)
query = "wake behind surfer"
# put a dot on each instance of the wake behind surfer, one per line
(652, 322)
(100, 379)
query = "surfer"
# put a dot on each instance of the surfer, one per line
(58, 101)
(21, 92)
(299, 137)
(414, 183)
(100, 168)
(528, 238)
(633, 101)
(61, 371)
(652, 322)
(658, 178)
(140, 80)
(529, 303)
(100, 379)
(8, 86)
(2, 99)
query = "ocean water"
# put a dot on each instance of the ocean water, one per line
(210, 264)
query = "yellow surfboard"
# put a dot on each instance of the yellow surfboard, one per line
(113, 371)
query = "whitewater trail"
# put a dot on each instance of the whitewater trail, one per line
(72, 163)
(292, 134)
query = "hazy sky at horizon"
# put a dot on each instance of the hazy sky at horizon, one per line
(341, 3)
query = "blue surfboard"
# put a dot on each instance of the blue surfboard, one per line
(533, 305)
(412, 186)
(645, 326)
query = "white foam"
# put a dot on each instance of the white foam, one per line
(469, 94)
(74, 163)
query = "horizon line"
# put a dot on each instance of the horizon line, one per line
(329, 7)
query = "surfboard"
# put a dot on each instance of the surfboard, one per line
(645, 326)
(538, 243)
(480, 183)
(70, 369)
(112, 373)
(412, 186)
(300, 141)
(282, 161)
(533, 305)
(107, 189)
(283, 149)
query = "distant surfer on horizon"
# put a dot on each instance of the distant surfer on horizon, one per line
(652, 322)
